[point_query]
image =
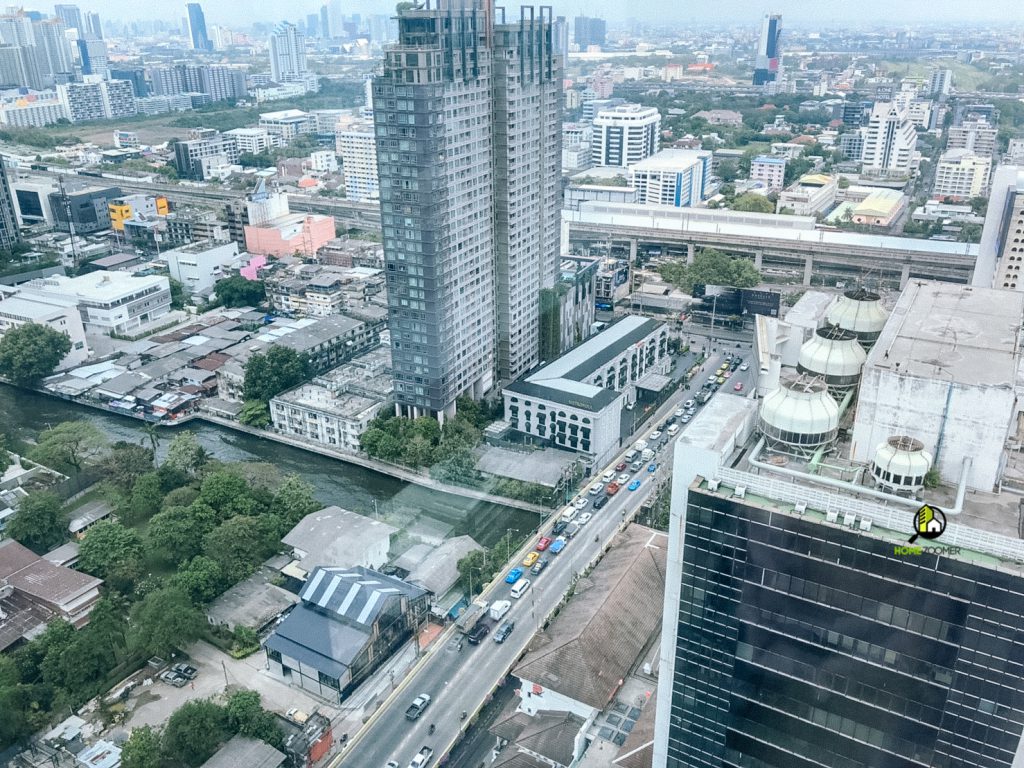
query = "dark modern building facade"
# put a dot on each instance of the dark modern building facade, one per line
(197, 28)
(589, 31)
(84, 207)
(806, 639)
(468, 159)
(8, 218)
(766, 63)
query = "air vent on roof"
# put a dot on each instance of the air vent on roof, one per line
(800, 508)
(865, 524)
(713, 485)
(832, 516)
(740, 492)
(849, 519)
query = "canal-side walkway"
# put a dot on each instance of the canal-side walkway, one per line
(393, 470)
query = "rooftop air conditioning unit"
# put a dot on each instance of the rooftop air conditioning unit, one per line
(713, 485)
(800, 508)
(832, 516)
(865, 524)
(849, 519)
(740, 492)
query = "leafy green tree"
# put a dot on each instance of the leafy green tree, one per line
(247, 717)
(14, 703)
(241, 543)
(272, 372)
(194, 732)
(30, 352)
(175, 534)
(145, 500)
(294, 500)
(711, 267)
(40, 523)
(143, 749)
(113, 553)
(728, 171)
(754, 203)
(164, 620)
(69, 446)
(177, 294)
(202, 579)
(475, 571)
(454, 463)
(220, 490)
(5, 456)
(180, 497)
(126, 463)
(255, 413)
(186, 454)
(417, 451)
(237, 291)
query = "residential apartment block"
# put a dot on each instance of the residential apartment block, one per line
(625, 135)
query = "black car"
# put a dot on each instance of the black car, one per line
(561, 525)
(539, 566)
(504, 631)
(479, 633)
(601, 501)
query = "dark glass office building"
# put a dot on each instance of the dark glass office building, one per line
(803, 643)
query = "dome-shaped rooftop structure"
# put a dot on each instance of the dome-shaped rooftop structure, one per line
(900, 464)
(800, 416)
(860, 311)
(834, 354)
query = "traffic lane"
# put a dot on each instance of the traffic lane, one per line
(460, 681)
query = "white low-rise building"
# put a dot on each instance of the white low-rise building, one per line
(60, 314)
(200, 265)
(317, 413)
(676, 177)
(770, 170)
(252, 140)
(576, 401)
(108, 302)
(961, 174)
(811, 194)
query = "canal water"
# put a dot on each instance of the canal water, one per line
(24, 414)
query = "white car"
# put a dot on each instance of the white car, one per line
(679, 412)
(608, 476)
(686, 419)
(655, 435)
(688, 404)
(583, 519)
(595, 489)
(744, 367)
(712, 379)
(580, 503)
(623, 479)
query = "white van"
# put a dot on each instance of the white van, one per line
(519, 588)
(630, 455)
(569, 514)
(673, 430)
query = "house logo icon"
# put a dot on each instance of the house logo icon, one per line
(929, 523)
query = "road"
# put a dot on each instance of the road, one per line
(460, 681)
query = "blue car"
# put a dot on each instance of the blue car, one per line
(634, 485)
(557, 546)
(513, 575)
(652, 467)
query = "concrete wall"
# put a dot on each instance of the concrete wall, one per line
(893, 404)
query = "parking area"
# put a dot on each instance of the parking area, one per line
(153, 704)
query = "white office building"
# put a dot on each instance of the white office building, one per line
(576, 401)
(811, 194)
(198, 266)
(59, 313)
(287, 54)
(1001, 252)
(356, 145)
(323, 161)
(975, 135)
(770, 170)
(252, 140)
(961, 174)
(108, 302)
(287, 124)
(889, 142)
(317, 413)
(626, 134)
(676, 177)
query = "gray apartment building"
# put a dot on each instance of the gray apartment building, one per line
(468, 156)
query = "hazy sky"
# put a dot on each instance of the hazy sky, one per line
(802, 13)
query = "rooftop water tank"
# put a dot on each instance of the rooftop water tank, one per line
(800, 416)
(900, 464)
(860, 311)
(834, 354)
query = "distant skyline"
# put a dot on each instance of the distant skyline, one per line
(796, 13)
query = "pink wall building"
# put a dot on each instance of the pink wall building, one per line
(287, 235)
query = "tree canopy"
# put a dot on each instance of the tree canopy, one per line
(30, 352)
(40, 523)
(69, 446)
(164, 620)
(711, 267)
(272, 372)
(753, 203)
(113, 553)
(237, 291)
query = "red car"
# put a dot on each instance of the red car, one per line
(621, 467)
(739, 386)
(611, 489)
(543, 544)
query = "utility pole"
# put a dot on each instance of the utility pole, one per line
(66, 204)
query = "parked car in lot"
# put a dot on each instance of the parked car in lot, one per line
(622, 479)
(600, 502)
(738, 387)
(595, 489)
(634, 485)
(186, 670)
(744, 367)
(539, 566)
(558, 545)
(584, 519)
(514, 575)
(543, 543)
(501, 635)
(176, 679)
(530, 559)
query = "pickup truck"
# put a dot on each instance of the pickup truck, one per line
(418, 707)
(422, 758)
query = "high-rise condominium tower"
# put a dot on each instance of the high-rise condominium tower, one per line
(197, 28)
(766, 63)
(468, 154)
(287, 53)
